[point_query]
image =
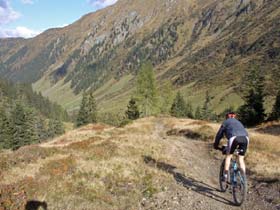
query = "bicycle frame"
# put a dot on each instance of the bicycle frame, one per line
(234, 169)
(237, 180)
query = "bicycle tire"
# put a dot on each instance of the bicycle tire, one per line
(240, 188)
(223, 184)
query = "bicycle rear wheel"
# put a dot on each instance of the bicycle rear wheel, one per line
(239, 190)
(223, 183)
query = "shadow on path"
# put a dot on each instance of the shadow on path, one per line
(35, 205)
(188, 182)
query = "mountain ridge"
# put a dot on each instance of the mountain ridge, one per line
(192, 43)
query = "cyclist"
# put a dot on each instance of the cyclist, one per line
(237, 138)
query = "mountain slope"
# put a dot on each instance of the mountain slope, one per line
(150, 164)
(198, 45)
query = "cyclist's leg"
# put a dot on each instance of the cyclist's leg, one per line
(232, 144)
(227, 162)
(242, 144)
(242, 163)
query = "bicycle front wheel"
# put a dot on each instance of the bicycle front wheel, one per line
(223, 183)
(239, 190)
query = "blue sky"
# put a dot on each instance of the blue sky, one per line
(27, 18)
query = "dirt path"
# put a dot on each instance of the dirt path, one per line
(195, 174)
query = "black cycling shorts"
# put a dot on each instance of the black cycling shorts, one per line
(240, 142)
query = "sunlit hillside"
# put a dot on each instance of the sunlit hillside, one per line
(153, 163)
(203, 45)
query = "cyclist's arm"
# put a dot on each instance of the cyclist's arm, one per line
(219, 136)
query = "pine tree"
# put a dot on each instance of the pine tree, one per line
(180, 108)
(58, 127)
(198, 113)
(259, 100)
(51, 129)
(189, 110)
(92, 109)
(132, 111)
(5, 130)
(29, 126)
(253, 112)
(41, 129)
(206, 111)
(146, 90)
(83, 115)
(18, 133)
(275, 115)
(55, 128)
(166, 97)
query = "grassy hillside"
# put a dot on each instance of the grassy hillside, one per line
(197, 45)
(141, 166)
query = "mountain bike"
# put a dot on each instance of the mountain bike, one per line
(236, 179)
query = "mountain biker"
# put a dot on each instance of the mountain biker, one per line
(237, 138)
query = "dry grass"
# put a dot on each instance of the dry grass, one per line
(99, 167)
(103, 151)
(81, 134)
(198, 122)
(94, 127)
(263, 156)
(93, 169)
(25, 155)
(83, 145)
(60, 167)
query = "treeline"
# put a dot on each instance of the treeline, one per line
(27, 117)
(251, 113)
(151, 98)
(148, 99)
(10, 93)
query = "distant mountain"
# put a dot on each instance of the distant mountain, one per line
(198, 45)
